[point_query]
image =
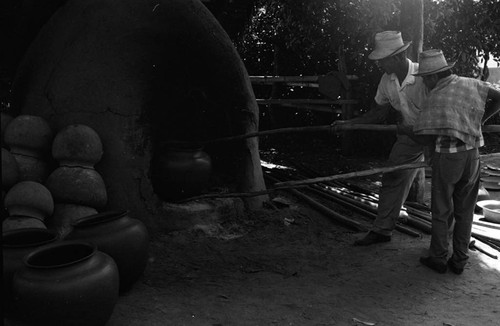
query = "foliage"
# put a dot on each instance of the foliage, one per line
(314, 37)
(310, 36)
(464, 30)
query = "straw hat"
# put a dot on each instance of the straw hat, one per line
(432, 62)
(388, 43)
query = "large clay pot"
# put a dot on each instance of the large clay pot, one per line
(124, 238)
(16, 245)
(29, 198)
(10, 170)
(180, 172)
(66, 283)
(77, 145)
(77, 185)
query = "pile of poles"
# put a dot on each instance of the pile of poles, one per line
(414, 217)
(486, 237)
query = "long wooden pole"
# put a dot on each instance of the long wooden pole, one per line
(331, 128)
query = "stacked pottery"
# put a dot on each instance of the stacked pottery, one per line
(120, 236)
(29, 139)
(28, 204)
(78, 189)
(10, 170)
(16, 244)
(66, 283)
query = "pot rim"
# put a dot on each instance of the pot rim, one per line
(99, 218)
(28, 258)
(8, 233)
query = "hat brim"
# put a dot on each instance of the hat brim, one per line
(376, 55)
(425, 73)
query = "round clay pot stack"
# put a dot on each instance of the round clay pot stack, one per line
(29, 139)
(28, 204)
(78, 189)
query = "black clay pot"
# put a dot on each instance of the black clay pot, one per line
(179, 173)
(16, 244)
(66, 283)
(124, 238)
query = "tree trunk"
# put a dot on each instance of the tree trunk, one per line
(412, 26)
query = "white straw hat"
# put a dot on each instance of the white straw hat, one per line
(432, 62)
(388, 43)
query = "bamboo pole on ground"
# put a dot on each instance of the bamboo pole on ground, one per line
(325, 210)
(352, 174)
(301, 183)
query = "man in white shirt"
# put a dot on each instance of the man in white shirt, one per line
(399, 89)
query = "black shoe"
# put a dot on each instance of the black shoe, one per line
(372, 238)
(454, 269)
(431, 263)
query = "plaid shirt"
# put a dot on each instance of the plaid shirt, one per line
(454, 109)
(446, 144)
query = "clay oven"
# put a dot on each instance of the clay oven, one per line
(142, 73)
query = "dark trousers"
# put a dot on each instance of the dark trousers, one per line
(455, 184)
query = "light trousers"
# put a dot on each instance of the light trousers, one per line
(397, 184)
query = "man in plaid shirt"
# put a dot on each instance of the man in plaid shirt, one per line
(451, 119)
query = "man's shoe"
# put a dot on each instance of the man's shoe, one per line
(431, 263)
(372, 238)
(455, 269)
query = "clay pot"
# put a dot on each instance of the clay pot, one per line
(180, 172)
(65, 215)
(29, 135)
(77, 185)
(124, 238)
(22, 222)
(28, 198)
(77, 145)
(16, 245)
(10, 170)
(66, 283)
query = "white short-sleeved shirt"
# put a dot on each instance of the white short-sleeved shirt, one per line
(407, 97)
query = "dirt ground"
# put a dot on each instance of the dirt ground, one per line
(266, 272)
(290, 265)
